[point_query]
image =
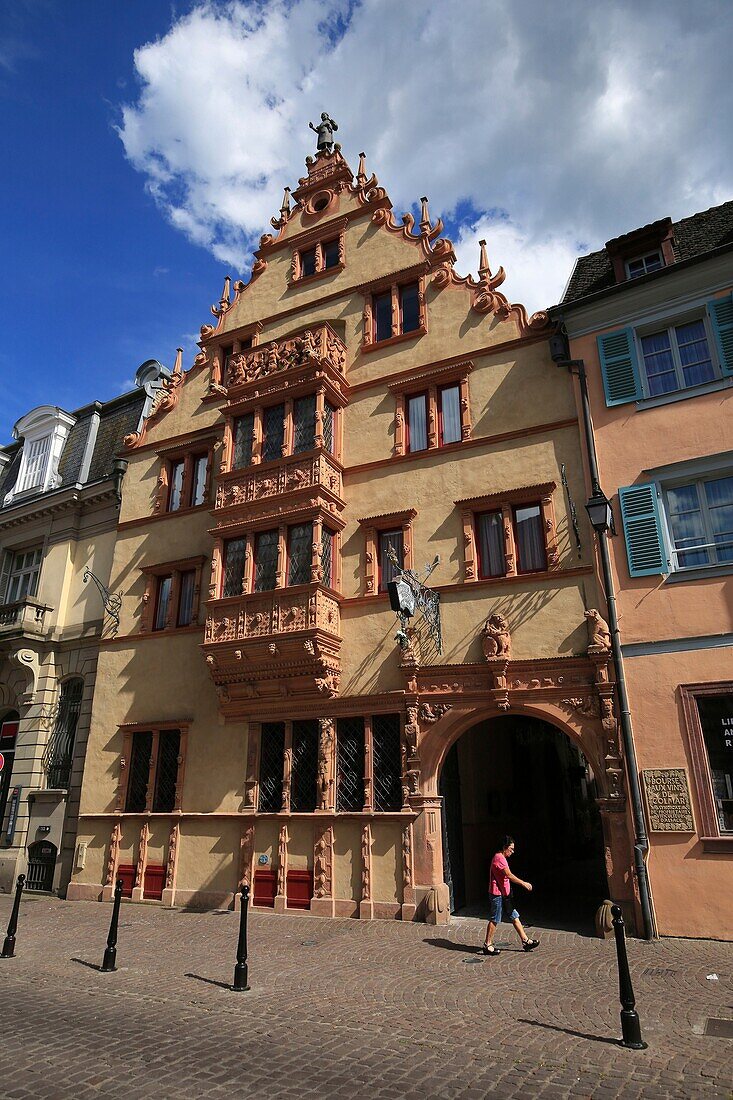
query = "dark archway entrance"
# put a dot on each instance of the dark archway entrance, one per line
(523, 776)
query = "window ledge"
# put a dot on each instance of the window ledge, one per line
(377, 345)
(683, 395)
(717, 843)
(705, 572)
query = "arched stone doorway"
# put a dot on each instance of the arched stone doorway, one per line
(522, 775)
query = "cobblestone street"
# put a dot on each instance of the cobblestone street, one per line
(341, 1008)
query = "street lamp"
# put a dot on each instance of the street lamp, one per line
(599, 511)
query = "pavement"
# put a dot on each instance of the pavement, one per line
(344, 1008)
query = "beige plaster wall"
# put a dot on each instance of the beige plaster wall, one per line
(207, 863)
(347, 860)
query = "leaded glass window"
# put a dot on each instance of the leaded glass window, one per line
(234, 551)
(328, 422)
(273, 419)
(300, 543)
(272, 753)
(327, 539)
(386, 762)
(166, 772)
(137, 785)
(304, 423)
(243, 434)
(305, 767)
(349, 765)
(266, 552)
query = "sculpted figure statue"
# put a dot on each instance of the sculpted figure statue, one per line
(325, 130)
(599, 636)
(496, 640)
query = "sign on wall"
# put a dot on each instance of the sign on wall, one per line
(12, 815)
(668, 800)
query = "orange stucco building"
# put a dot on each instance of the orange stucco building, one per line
(650, 320)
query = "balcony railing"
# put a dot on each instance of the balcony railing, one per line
(26, 616)
(294, 473)
(268, 614)
(316, 345)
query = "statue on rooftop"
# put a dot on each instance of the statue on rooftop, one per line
(325, 130)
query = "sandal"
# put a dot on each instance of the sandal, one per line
(529, 945)
(490, 951)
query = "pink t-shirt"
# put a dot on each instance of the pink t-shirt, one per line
(499, 879)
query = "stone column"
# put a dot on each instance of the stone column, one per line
(428, 859)
(142, 862)
(366, 905)
(322, 903)
(171, 870)
(408, 875)
(282, 870)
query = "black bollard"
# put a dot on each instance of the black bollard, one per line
(9, 945)
(110, 952)
(630, 1024)
(240, 984)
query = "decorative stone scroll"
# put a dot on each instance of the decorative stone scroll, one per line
(668, 800)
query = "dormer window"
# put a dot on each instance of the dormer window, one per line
(642, 265)
(44, 432)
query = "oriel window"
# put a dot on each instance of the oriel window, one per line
(234, 551)
(266, 554)
(304, 423)
(327, 542)
(273, 426)
(243, 436)
(300, 541)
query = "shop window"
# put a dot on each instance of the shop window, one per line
(8, 734)
(349, 765)
(506, 534)
(272, 753)
(20, 572)
(386, 762)
(172, 591)
(708, 713)
(154, 772)
(304, 776)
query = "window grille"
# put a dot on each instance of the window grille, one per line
(304, 423)
(273, 426)
(233, 567)
(300, 541)
(328, 415)
(272, 751)
(266, 552)
(166, 776)
(305, 767)
(137, 785)
(349, 765)
(243, 432)
(386, 762)
(327, 538)
(60, 749)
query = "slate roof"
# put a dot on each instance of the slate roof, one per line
(117, 418)
(693, 236)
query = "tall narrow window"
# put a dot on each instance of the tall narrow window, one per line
(61, 743)
(185, 598)
(272, 754)
(417, 422)
(305, 767)
(226, 354)
(331, 253)
(307, 262)
(409, 308)
(304, 423)
(530, 538)
(716, 720)
(198, 485)
(137, 784)
(492, 562)
(387, 571)
(234, 550)
(386, 762)
(449, 415)
(243, 437)
(328, 421)
(175, 492)
(349, 765)
(273, 425)
(34, 464)
(300, 541)
(382, 304)
(166, 772)
(162, 602)
(23, 567)
(266, 553)
(327, 541)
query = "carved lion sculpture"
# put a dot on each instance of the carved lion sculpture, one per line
(599, 636)
(496, 640)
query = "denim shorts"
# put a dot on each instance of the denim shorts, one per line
(501, 906)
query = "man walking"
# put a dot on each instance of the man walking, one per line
(500, 899)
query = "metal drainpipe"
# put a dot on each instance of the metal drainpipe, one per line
(641, 840)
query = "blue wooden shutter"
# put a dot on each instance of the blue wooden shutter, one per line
(617, 352)
(720, 312)
(645, 547)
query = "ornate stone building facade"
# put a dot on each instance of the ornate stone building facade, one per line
(356, 408)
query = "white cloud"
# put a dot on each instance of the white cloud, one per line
(574, 122)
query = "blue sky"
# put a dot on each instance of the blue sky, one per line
(147, 144)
